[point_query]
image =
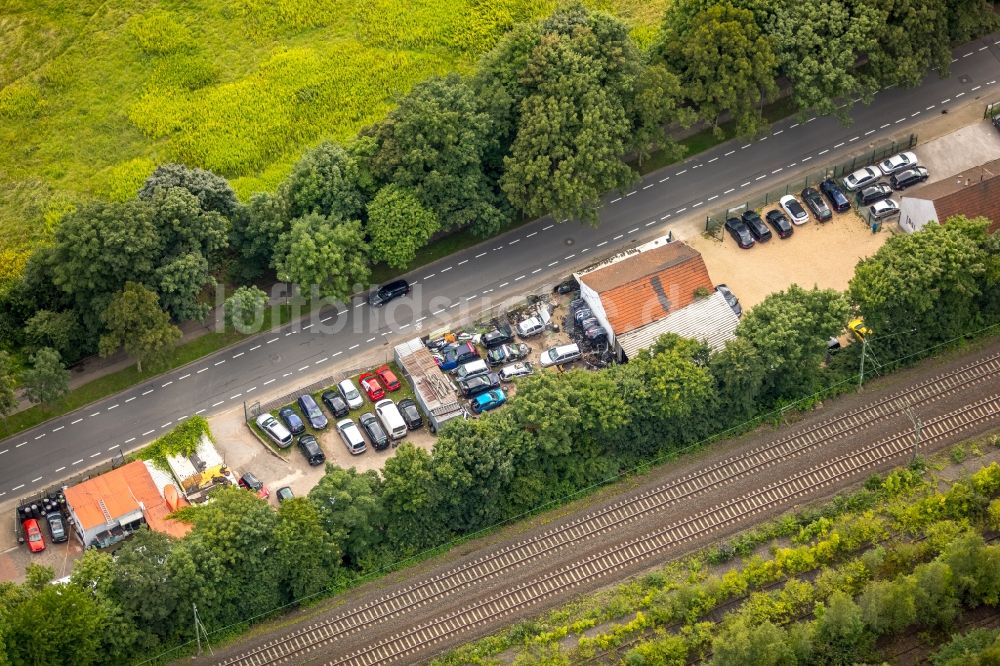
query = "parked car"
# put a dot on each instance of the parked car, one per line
(530, 327)
(388, 379)
(487, 401)
(862, 178)
(883, 208)
(335, 403)
(566, 286)
(595, 335)
(250, 482)
(780, 223)
(498, 336)
(794, 209)
(756, 226)
(730, 297)
(349, 392)
(353, 440)
(582, 315)
(898, 162)
(471, 369)
(509, 373)
(873, 193)
(816, 204)
(311, 449)
(292, 420)
(589, 322)
(507, 353)
(284, 494)
(278, 433)
(576, 304)
(559, 355)
(455, 355)
(371, 386)
(57, 527)
(904, 179)
(740, 233)
(376, 433)
(473, 386)
(390, 418)
(387, 292)
(312, 411)
(836, 195)
(411, 413)
(33, 535)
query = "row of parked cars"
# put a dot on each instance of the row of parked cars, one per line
(903, 172)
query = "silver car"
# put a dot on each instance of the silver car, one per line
(509, 373)
(862, 178)
(275, 430)
(898, 162)
(883, 208)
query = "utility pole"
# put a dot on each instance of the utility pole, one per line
(200, 629)
(917, 425)
(864, 352)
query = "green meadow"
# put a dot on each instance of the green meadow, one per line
(93, 95)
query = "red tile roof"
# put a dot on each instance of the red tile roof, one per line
(975, 192)
(648, 286)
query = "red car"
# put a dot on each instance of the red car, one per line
(34, 535)
(371, 386)
(388, 378)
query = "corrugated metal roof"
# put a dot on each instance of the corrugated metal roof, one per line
(710, 320)
(435, 390)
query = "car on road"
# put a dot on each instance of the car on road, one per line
(883, 208)
(838, 200)
(284, 494)
(873, 193)
(487, 401)
(862, 178)
(353, 440)
(292, 420)
(756, 226)
(816, 204)
(349, 392)
(509, 373)
(250, 482)
(411, 413)
(904, 179)
(898, 162)
(559, 355)
(33, 535)
(278, 433)
(388, 378)
(376, 433)
(312, 411)
(389, 291)
(371, 386)
(57, 527)
(505, 354)
(794, 209)
(453, 356)
(473, 386)
(780, 223)
(311, 449)
(498, 336)
(730, 297)
(335, 403)
(740, 233)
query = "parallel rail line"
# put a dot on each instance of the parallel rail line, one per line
(621, 513)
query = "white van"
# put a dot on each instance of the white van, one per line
(559, 355)
(391, 419)
(472, 369)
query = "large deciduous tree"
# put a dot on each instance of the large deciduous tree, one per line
(398, 225)
(257, 227)
(324, 181)
(58, 330)
(244, 307)
(350, 511)
(910, 41)
(133, 320)
(304, 553)
(47, 380)
(8, 382)
(327, 253)
(213, 192)
(659, 97)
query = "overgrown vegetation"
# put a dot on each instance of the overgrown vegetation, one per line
(182, 440)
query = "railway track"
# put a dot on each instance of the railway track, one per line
(635, 551)
(621, 513)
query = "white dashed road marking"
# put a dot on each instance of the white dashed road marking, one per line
(268, 382)
(712, 198)
(221, 362)
(959, 95)
(150, 432)
(616, 200)
(167, 384)
(533, 233)
(663, 180)
(713, 159)
(823, 152)
(548, 227)
(127, 400)
(553, 263)
(354, 346)
(838, 145)
(58, 429)
(975, 89)
(127, 441)
(537, 270)
(762, 177)
(602, 243)
(218, 403)
(681, 172)
(729, 153)
(806, 159)
(78, 420)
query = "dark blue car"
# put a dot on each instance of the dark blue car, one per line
(453, 356)
(292, 420)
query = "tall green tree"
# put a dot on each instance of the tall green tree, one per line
(330, 254)
(398, 225)
(184, 227)
(30, 640)
(213, 192)
(762, 645)
(325, 181)
(180, 282)
(244, 307)
(350, 511)
(910, 41)
(8, 383)
(659, 105)
(134, 320)
(257, 227)
(304, 552)
(47, 380)
(140, 587)
(840, 637)
(739, 376)
(410, 500)
(58, 330)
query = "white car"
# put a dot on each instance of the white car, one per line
(559, 355)
(350, 393)
(897, 163)
(862, 178)
(530, 327)
(883, 208)
(391, 419)
(352, 437)
(509, 372)
(275, 430)
(795, 211)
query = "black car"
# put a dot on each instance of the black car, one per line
(310, 448)
(595, 335)
(566, 287)
(740, 232)
(780, 223)
(473, 386)
(57, 527)
(498, 336)
(387, 292)
(284, 493)
(816, 204)
(876, 192)
(576, 304)
(374, 430)
(730, 297)
(904, 179)
(335, 403)
(836, 195)
(410, 413)
(312, 411)
(756, 226)
(581, 314)
(292, 420)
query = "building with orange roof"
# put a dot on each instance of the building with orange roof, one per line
(662, 286)
(108, 508)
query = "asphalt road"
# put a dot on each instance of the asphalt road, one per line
(478, 278)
